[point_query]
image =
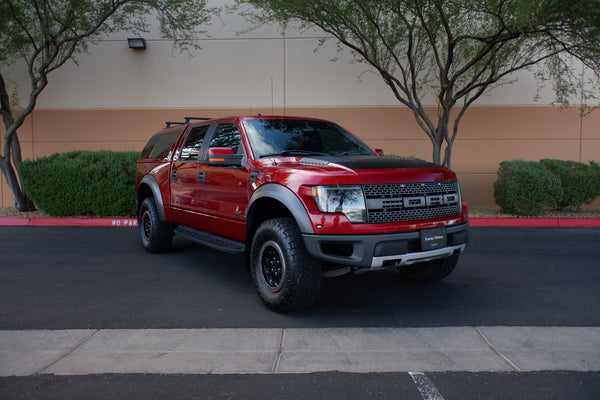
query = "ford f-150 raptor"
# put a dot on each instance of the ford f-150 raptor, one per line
(300, 197)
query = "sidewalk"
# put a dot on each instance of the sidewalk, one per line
(282, 351)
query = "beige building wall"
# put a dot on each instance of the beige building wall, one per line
(488, 136)
(116, 98)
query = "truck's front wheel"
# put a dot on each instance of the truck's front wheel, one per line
(286, 277)
(156, 235)
(430, 271)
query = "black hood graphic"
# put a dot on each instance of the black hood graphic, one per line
(377, 162)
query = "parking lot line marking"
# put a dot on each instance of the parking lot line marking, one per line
(425, 386)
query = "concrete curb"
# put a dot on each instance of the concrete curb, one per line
(132, 222)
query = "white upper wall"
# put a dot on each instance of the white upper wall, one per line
(259, 68)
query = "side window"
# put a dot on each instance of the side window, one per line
(227, 135)
(193, 144)
(149, 147)
(159, 146)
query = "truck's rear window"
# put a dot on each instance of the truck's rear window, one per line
(159, 145)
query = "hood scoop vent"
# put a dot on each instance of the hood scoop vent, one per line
(313, 161)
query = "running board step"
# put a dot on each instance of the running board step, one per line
(210, 240)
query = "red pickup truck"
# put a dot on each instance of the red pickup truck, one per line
(302, 198)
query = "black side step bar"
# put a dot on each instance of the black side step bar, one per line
(210, 240)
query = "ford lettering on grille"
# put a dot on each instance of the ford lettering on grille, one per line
(412, 201)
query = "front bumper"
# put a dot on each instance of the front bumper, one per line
(383, 250)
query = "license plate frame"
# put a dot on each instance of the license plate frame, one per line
(433, 238)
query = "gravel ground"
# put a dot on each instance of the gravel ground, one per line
(11, 212)
(474, 212)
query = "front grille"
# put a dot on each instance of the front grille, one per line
(411, 201)
(403, 189)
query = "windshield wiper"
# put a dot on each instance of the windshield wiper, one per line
(288, 153)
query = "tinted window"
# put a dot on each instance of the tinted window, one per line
(193, 143)
(227, 135)
(159, 146)
(270, 137)
(149, 146)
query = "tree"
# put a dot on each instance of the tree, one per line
(45, 34)
(455, 49)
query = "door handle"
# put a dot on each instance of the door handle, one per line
(174, 175)
(201, 177)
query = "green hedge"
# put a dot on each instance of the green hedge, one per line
(100, 183)
(525, 187)
(580, 182)
(528, 187)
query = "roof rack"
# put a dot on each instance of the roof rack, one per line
(188, 119)
(169, 124)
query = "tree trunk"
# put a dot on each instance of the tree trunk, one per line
(441, 135)
(448, 155)
(22, 202)
(12, 150)
(437, 151)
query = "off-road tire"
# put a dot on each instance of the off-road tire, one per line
(156, 235)
(286, 277)
(430, 271)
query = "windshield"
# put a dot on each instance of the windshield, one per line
(298, 137)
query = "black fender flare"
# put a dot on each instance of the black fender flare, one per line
(151, 182)
(286, 197)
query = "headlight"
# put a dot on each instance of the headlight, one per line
(348, 200)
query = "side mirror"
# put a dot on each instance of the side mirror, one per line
(225, 157)
(379, 152)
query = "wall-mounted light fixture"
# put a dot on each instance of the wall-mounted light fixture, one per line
(136, 43)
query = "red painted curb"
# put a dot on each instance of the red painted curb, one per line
(578, 222)
(532, 222)
(132, 222)
(118, 222)
(14, 221)
(537, 222)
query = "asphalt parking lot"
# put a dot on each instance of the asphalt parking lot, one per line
(540, 280)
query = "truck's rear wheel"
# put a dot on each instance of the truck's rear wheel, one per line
(286, 277)
(430, 271)
(156, 234)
